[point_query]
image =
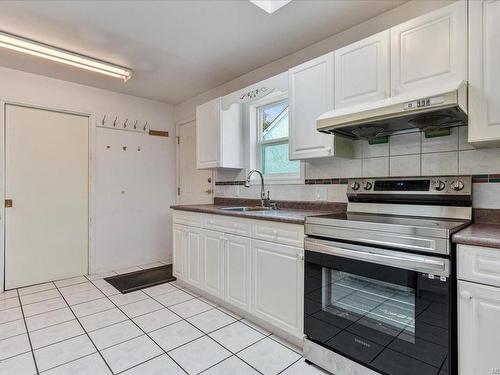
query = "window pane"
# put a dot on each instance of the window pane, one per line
(275, 121)
(275, 160)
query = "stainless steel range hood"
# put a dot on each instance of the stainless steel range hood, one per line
(441, 107)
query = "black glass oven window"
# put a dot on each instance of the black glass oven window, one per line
(396, 324)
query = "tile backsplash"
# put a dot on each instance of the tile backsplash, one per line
(410, 154)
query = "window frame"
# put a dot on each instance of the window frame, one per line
(256, 149)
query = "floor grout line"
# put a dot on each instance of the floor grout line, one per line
(27, 334)
(88, 336)
(148, 337)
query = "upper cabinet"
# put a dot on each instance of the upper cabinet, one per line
(310, 94)
(363, 71)
(429, 50)
(219, 136)
(484, 72)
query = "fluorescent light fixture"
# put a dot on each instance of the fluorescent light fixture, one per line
(270, 6)
(45, 51)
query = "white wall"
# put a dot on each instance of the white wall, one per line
(134, 226)
(187, 109)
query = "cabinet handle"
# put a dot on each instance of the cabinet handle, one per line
(300, 257)
(465, 295)
(329, 150)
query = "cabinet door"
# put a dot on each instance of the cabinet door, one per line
(213, 265)
(237, 271)
(179, 251)
(362, 71)
(479, 328)
(484, 72)
(194, 253)
(207, 134)
(429, 50)
(310, 95)
(277, 285)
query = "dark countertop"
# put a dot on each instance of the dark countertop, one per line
(479, 234)
(284, 215)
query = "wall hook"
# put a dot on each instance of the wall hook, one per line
(145, 126)
(125, 124)
(124, 148)
(104, 120)
(114, 122)
(135, 124)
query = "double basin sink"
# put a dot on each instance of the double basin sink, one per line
(248, 208)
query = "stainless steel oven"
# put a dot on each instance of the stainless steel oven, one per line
(380, 287)
(387, 310)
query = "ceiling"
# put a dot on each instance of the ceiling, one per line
(176, 49)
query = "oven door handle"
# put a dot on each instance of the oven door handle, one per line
(419, 263)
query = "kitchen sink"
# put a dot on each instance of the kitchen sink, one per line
(250, 208)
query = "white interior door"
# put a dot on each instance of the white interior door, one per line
(195, 185)
(47, 179)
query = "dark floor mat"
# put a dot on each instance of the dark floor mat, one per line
(142, 279)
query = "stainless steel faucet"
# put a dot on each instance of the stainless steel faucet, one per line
(264, 201)
(262, 190)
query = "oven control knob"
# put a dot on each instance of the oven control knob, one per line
(439, 185)
(457, 185)
(367, 185)
(355, 185)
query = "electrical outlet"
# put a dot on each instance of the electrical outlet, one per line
(321, 193)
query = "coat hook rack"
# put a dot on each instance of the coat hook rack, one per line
(104, 120)
(135, 124)
(125, 124)
(114, 122)
(145, 126)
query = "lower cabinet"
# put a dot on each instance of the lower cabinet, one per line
(479, 328)
(277, 284)
(213, 263)
(179, 250)
(263, 278)
(237, 271)
(194, 257)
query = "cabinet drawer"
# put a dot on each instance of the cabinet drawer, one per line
(188, 218)
(286, 234)
(228, 224)
(479, 264)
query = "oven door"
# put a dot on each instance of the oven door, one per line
(388, 310)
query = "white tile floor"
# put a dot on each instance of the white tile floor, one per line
(85, 326)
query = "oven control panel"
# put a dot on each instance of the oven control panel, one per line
(451, 185)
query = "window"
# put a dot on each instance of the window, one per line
(272, 141)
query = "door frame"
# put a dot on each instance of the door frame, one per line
(178, 125)
(91, 251)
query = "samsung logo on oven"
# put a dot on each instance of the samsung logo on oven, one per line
(358, 341)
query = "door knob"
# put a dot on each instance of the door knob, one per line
(209, 191)
(8, 203)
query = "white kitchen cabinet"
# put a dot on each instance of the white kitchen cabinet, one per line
(219, 136)
(179, 251)
(479, 264)
(363, 71)
(429, 50)
(255, 266)
(484, 74)
(277, 288)
(310, 94)
(479, 328)
(213, 263)
(194, 256)
(237, 271)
